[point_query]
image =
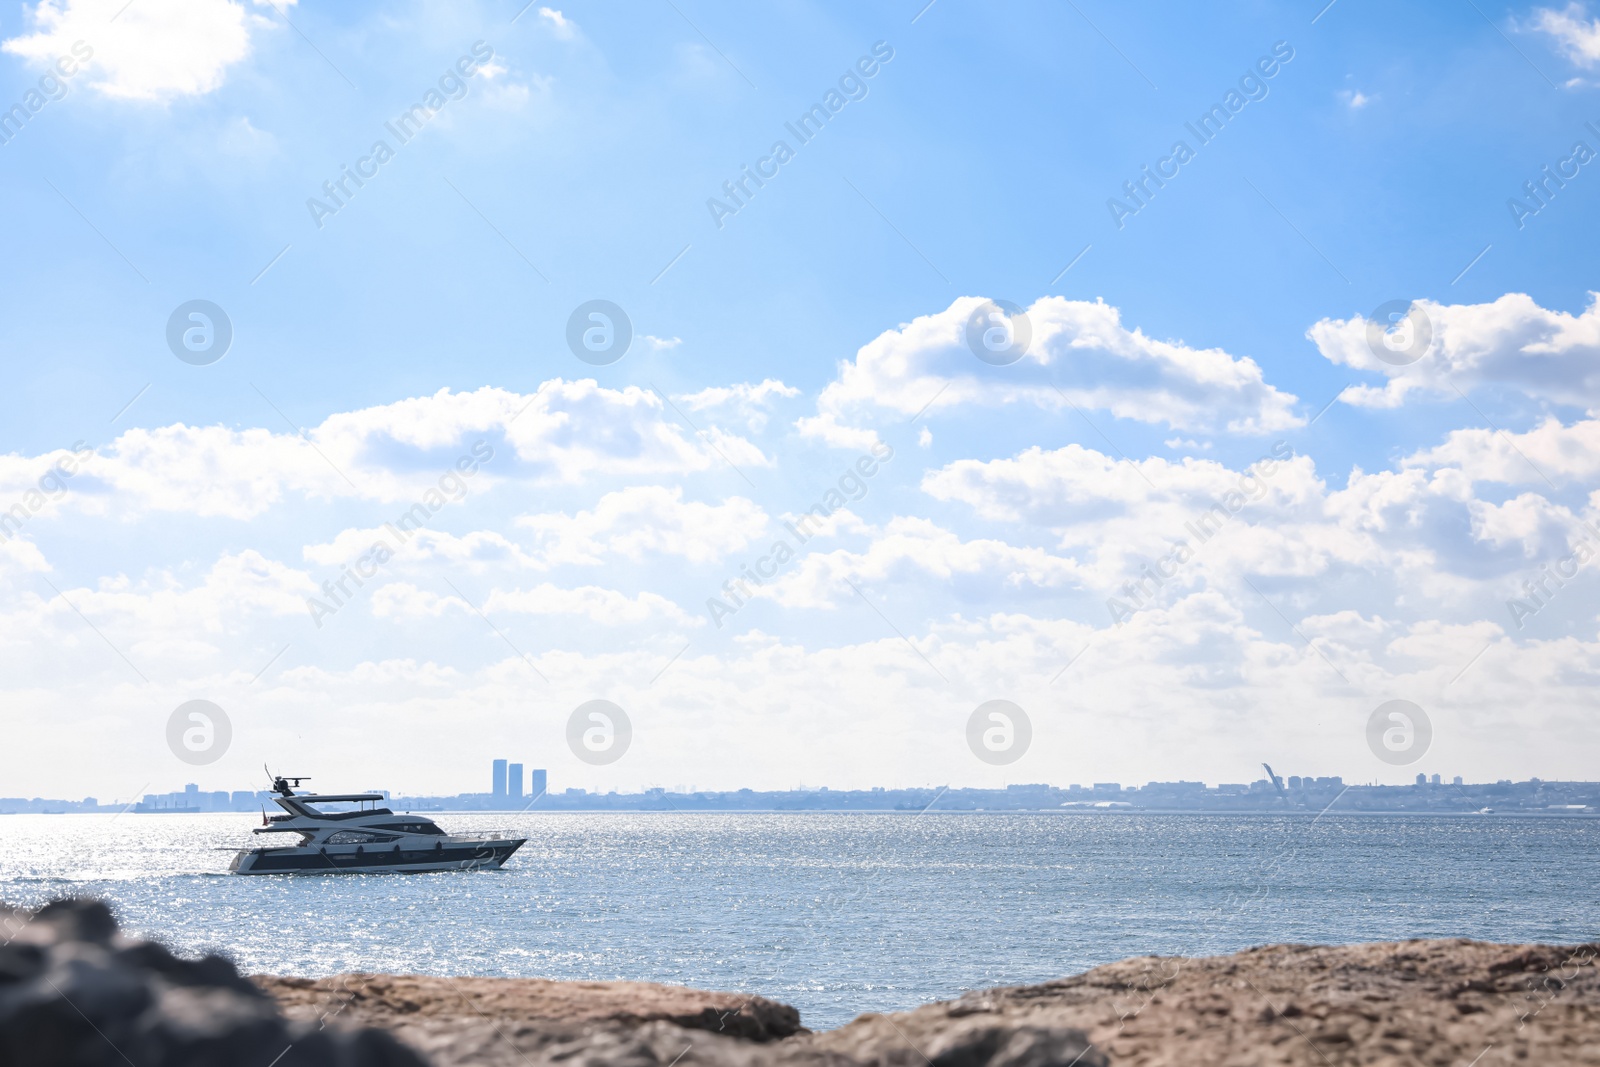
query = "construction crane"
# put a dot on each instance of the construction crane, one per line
(1277, 783)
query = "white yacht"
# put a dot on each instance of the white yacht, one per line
(365, 837)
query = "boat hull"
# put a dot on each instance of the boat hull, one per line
(454, 856)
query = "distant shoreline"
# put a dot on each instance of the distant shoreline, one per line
(1297, 795)
(1508, 814)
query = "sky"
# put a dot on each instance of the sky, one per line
(1198, 379)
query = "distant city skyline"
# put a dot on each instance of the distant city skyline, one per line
(502, 782)
(1427, 795)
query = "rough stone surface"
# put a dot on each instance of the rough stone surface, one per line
(1378, 1005)
(408, 1000)
(1411, 1003)
(76, 993)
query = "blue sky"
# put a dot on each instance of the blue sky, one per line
(772, 351)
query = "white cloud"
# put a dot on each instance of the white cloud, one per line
(161, 607)
(1355, 99)
(1414, 540)
(647, 521)
(607, 607)
(479, 549)
(915, 549)
(828, 429)
(561, 27)
(660, 344)
(152, 50)
(998, 573)
(744, 393)
(1562, 454)
(1079, 353)
(1113, 516)
(241, 140)
(750, 402)
(1575, 33)
(399, 453)
(1511, 342)
(1185, 683)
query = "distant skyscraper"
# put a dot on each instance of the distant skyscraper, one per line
(514, 781)
(536, 782)
(499, 778)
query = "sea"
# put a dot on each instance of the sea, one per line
(836, 914)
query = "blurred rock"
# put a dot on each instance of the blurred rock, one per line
(76, 993)
(392, 1000)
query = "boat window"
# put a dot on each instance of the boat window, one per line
(342, 809)
(338, 807)
(412, 827)
(356, 837)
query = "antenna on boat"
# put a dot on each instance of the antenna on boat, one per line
(282, 784)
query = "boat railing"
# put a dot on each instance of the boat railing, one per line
(484, 835)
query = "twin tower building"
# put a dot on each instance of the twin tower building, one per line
(508, 781)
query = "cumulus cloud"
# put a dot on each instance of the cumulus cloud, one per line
(1415, 539)
(1110, 516)
(1575, 33)
(161, 610)
(916, 549)
(1190, 684)
(561, 27)
(1511, 342)
(606, 607)
(751, 403)
(827, 428)
(434, 448)
(1550, 453)
(647, 521)
(151, 50)
(1389, 582)
(1080, 353)
(479, 549)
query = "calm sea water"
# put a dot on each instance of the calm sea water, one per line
(836, 914)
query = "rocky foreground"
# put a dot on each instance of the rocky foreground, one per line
(75, 992)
